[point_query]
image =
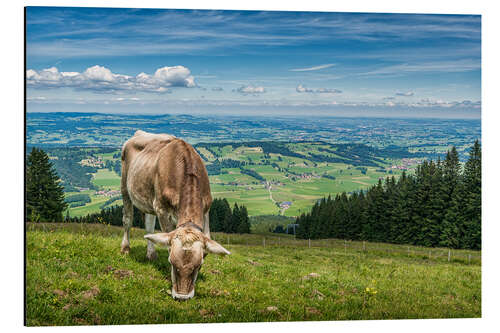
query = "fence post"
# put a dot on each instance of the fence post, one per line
(469, 258)
(429, 254)
(408, 251)
(279, 241)
(364, 247)
(309, 242)
(264, 241)
(345, 246)
(449, 255)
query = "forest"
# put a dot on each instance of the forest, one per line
(222, 218)
(440, 205)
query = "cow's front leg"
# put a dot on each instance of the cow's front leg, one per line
(128, 211)
(150, 228)
(206, 225)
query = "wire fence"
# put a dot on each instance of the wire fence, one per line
(340, 246)
(350, 247)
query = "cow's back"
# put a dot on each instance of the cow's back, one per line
(139, 159)
(182, 176)
(160, 169)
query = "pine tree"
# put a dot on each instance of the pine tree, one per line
(214, 216)
(44, 194)
(244, 226)
(472, 201)
(227, 216)
(235, 219)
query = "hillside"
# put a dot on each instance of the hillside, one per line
(77, 276)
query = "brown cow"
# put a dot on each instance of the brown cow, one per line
(164, 177)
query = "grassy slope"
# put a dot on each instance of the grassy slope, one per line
(66, 262)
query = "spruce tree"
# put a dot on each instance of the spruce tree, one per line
(44, 194)
(472, 202)
(244, 225)
(235, 219)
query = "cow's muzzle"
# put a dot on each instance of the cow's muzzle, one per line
(182, 297)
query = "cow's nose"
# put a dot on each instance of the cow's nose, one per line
(182, 297)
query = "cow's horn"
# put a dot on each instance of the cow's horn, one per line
(161, 238)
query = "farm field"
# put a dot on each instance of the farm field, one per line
(297, 174)
(77, 276)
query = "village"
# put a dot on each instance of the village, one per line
(93, 162)
(406, 163)
(108, 193)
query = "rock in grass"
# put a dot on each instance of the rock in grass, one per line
(310, 276)
(272, 308)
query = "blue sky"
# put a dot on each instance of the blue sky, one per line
(253, 63)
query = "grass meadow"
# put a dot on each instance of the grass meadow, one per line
(77, 276)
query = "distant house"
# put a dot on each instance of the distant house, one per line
(285, 204)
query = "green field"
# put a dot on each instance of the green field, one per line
(106, 179)
(298, 179)
(77, 276)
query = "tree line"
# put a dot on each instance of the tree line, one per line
(222, 218)
(440, 205)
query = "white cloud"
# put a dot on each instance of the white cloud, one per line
(315, 68)
(302, 89)
(249, 89)
(405, 94)
(328, 91)
(98, 73)
(101, 79)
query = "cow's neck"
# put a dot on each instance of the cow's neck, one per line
(190, 204)
(191, 224)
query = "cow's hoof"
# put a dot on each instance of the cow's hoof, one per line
(125, 249)
(152, 256)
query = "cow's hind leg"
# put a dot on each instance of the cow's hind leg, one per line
(150, 228)
(128, 215)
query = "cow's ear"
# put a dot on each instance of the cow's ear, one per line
(214, 247)
(161, 238)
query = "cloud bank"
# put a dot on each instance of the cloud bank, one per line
(101, 79)
(250, 90)
(405, 94)
(302, 89)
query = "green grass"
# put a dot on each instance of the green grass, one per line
(106, 179)
(77, 276)
(92, 207)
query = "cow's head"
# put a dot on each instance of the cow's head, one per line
(187, 248)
